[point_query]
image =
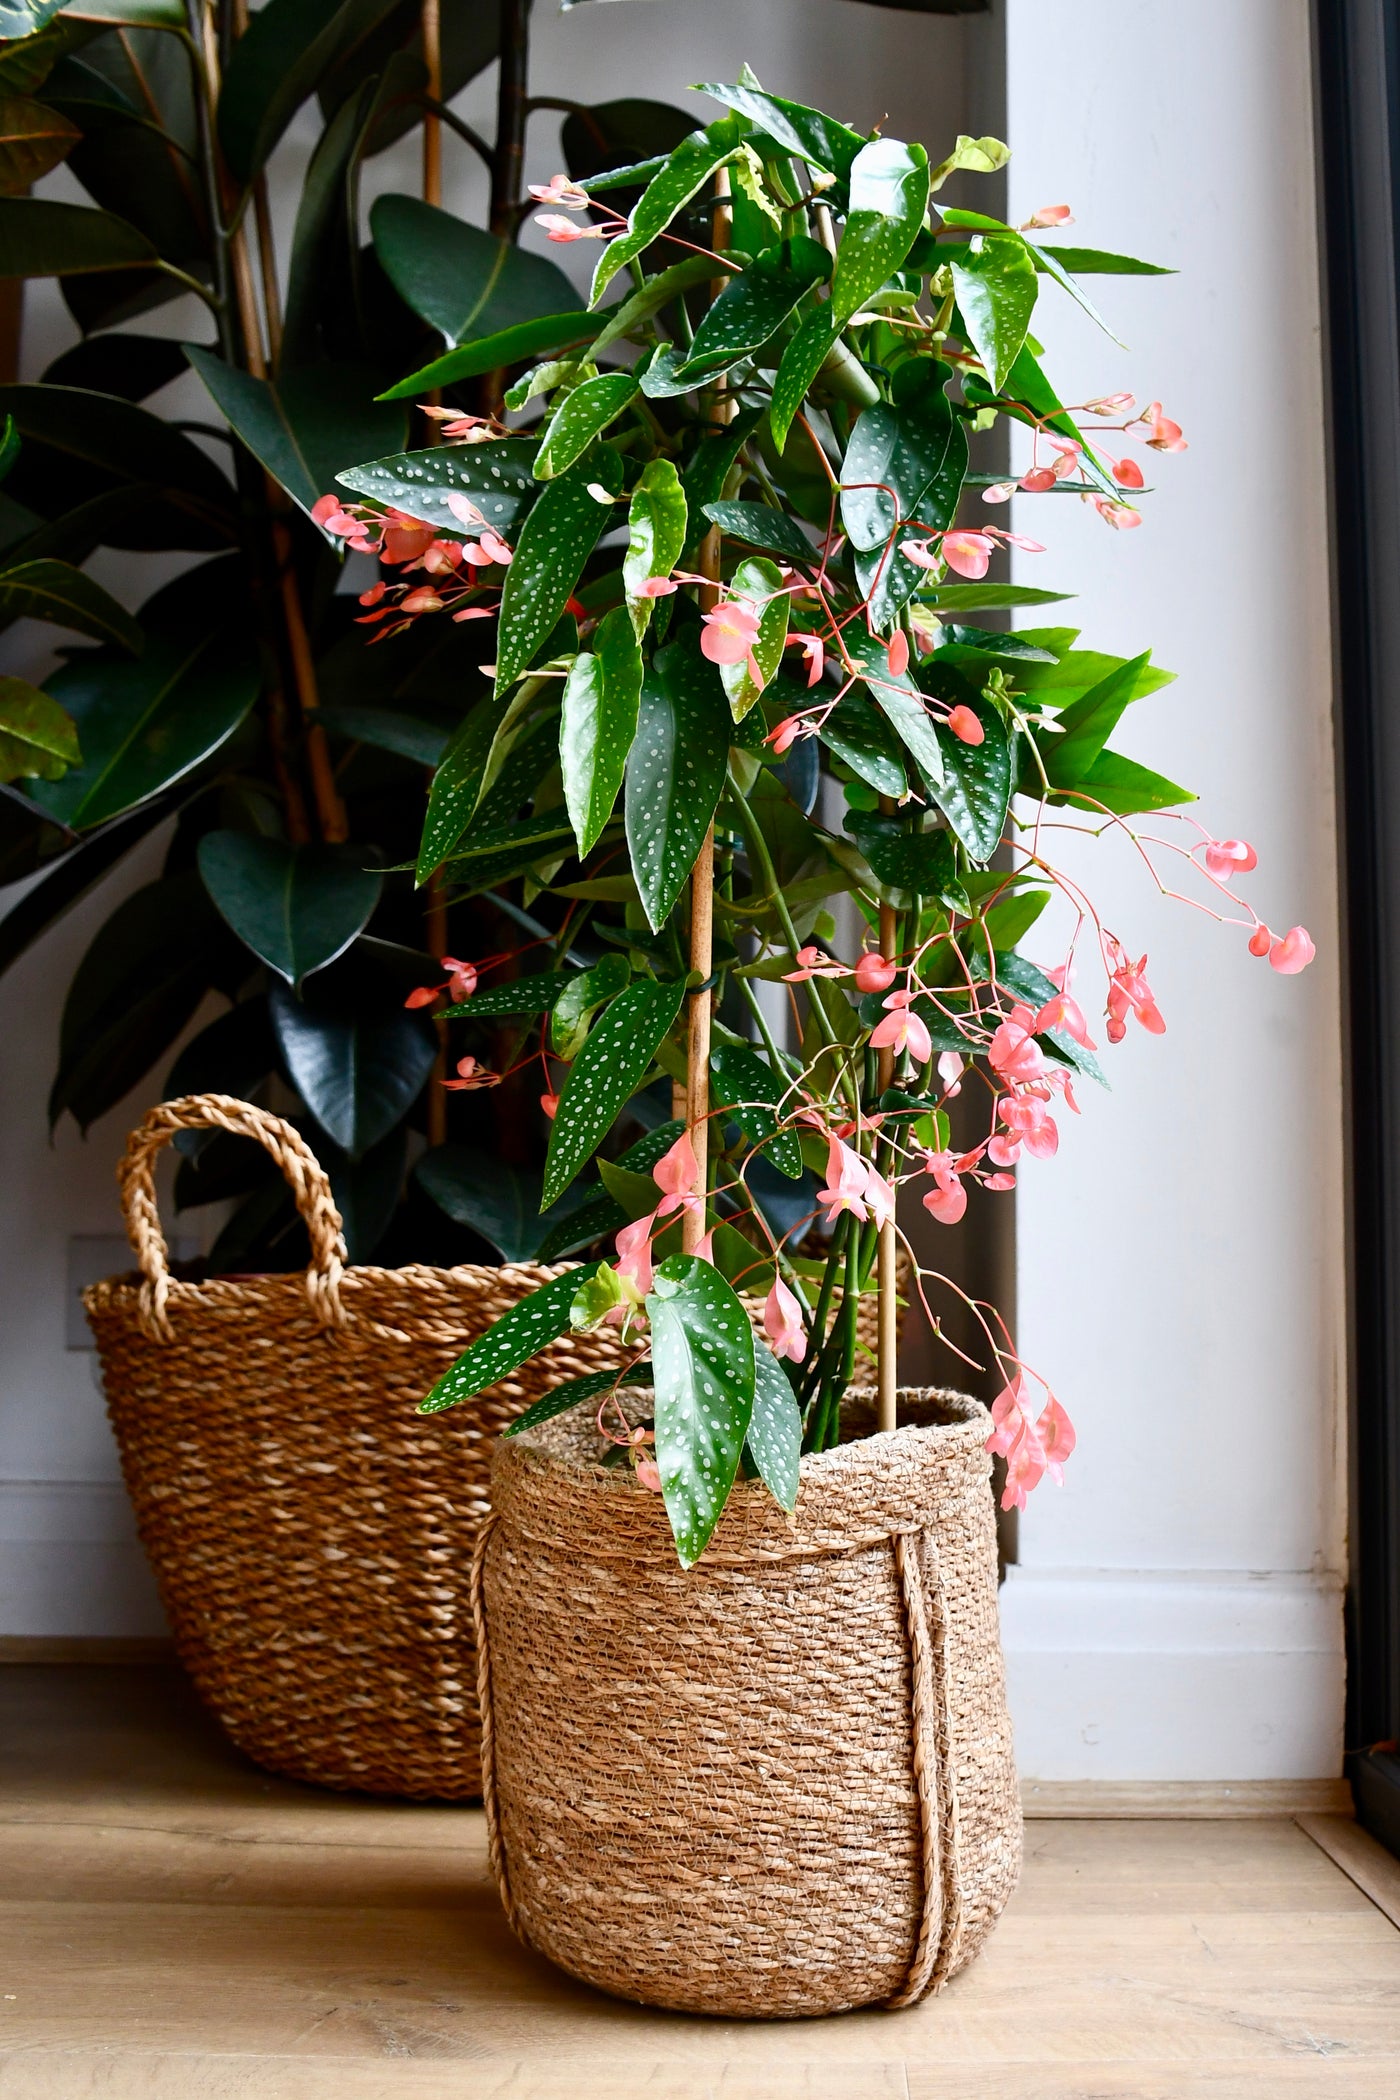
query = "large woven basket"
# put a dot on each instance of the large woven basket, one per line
(311, 1535)
(781, 1783)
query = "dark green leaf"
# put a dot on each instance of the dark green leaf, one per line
(772, 530)
(591, 1386)
(467, 283)
(532, 994)
(889, 197)
(611, 1066)
(554, 542)
(702, 1350)
(308, 425)
(650, 297)
(815, 138)
(53, 591)
(41, 237)
(583, 415)
(276, 64)
(802, 359)
(358, 1073)
(686, 171)
(296, 907)
(496, 477)
(588, 1211)
(520, 1334)
(495, 855)
(131, 366)
(899, 700)
(675, 772)
(38, 741)
(904, 464)
(568, 330)
(775, 1432)
(69, 881)
(753, 306)
(33, 139)
(657, 523)
(989, 597)
(977, 781)
(487, 1193)
(863, 738)
(711, 464)
(366, 1191)
(610, 139)
(996, 288)
(233, 1055)
(1086, 727)
(405, 735)
(602, 695)
(456, 787)
(580, 1000)
(745, 1084)
(80, 445)
(909, 860)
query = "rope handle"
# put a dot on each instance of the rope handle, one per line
(304, 1172)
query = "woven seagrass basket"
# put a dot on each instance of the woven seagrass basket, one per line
(781, 1783)
(311, 1535)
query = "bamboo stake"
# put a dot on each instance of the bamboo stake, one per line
(432, 125)
(435, 904)
(886, 1273)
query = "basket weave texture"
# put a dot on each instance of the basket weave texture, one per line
(311, 1535)
(781, 1783)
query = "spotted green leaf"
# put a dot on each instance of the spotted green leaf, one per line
(977, 780)
(702, 1351)
(761, 583)
(536, 994)
(656, 533)
(775, 1432)
(996, 290)
(804, 356)
(649, 298)
(526, 1329)
(815, 138)
(675, 772)
(753, 306)
(745, 1084)
(555, 541)
(711, 464)
(899, 700)
(573, 1392)
(889, 197)
(497, 478)
(580, 1000)
(605, 1075)
(602, 694)
(456, 787)
(905, 462)
(580, 417)
(762, 526)
(863, 738)
(685, 172)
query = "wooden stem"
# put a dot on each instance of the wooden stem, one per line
(512, 108)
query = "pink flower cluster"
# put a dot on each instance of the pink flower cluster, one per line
(1031, 1448)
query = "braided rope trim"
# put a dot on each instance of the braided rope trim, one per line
(495, 1848)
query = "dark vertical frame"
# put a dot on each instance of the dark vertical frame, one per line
(1357, 45)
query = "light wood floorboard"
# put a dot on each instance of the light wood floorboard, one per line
(176, 1925)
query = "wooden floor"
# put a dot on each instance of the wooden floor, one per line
(174, 1925)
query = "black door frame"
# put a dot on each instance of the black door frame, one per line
(1357, 71)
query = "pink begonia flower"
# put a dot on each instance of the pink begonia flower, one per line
(897, 654)
(950, 1071)
(1227, 857)
(1121, 516)
(1129, 992)
(970, 553)
(464, 510)
(649, 1475)
(550, 1104)
(847, 1178)
(471, 1076)
(1128, 474)
(442, 557)
(1109, 405)
(656, 587)
(1003, 1151)
(999, 492)
(460, 982)
(1057, 1438)
(559, 190)
(965, 725)
(1163, 434)
(787, 733)
(1049, 215)
(1064, 1013)
(1031, 1124)
(705, 1248)
(1261, 940)
(1031, 1449)
(782, 1323)
(879, 1197)
(405, 538)
(565, 230)
(999, 1183)
(476, 612)
(730, 632)
(373, 595)
(495, 549)
(1013, 1051)
(947, 1200)
(1010, 1416)
(633, 1245)
(812, 963)
(814, 649)
(677, 1175)
(423, 600)
(1293, 953)
(1037, 480)
(875, 972)
(902, 1030)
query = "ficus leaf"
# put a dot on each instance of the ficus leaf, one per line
(889, 197)
(606, 1074)
(65, 597)
(358, 1070)
(520, 1334)
(597, 725)
(38, 739)
(702, 1350)
(307, 425)
(554, 542)
(296, 907)
(581, 416)
(675, 772)
(491, 353)
(462, 280)
(44, 237)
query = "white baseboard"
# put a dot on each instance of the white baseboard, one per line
(1174, 1675)
(71, 1566)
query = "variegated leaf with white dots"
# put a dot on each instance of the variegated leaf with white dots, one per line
(702, 1350)
(605, 1075)
(675, 771)
(555, 541)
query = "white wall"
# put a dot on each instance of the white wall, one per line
(1177, 1609)
(69, 1563)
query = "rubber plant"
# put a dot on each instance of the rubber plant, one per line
(240, 699)
(747, 555)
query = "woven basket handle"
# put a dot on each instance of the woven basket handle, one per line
(304, 1172)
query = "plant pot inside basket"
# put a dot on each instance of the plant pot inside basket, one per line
(781, 1783)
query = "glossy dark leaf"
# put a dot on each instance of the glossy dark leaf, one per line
(686, 171)
(497, 478)
(296, 907)
(69, 879)
(131, 366)
(41, 237)
(607, 1073)
(745, 1084)
(863, 738)
(802, 359)
(753, 306)
(499, 1201)
(583, 415)
(710, 466)
(568, 330)
(813, 137)
(761, 526)
(233, 1055)
(775, 1432)
(276, 64)
(534, 993)
(517, 1336)
(702, 1351)
(977, 781)
(366, 1191)
(407, 736)
(675, 773)
(65, 597)
(38, 741)
(906, 859)
(33, 140)
(130, 97)
(79, 445)
(358, 1073)
(900, 701)
(463, 281)
(456, 787)
(602, 696)
(306, 426)
(905, 463)
(620, 134)
(555, 540)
